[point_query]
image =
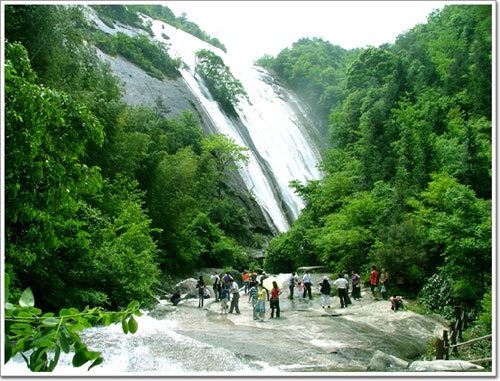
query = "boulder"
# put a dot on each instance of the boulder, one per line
(444, 366)
(188, 288)
(383, 362)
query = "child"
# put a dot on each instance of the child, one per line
(300, 290)
(253, 296)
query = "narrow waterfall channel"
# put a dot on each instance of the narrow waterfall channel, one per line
(271, 123)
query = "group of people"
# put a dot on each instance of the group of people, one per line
(343, 284)
(258, 296)
(379, 279)
(303, 286)
(227, 289)
(348, 286)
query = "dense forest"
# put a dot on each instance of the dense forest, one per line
(104, 201)
(408, 183)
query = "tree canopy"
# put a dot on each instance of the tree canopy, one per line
(409, 167)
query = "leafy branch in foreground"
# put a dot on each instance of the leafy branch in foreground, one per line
(40, 338)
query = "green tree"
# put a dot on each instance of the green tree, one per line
(46, 180)
(61, 231)
(225, 89)
(453, 219)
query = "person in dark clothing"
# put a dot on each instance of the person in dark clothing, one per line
(325, 289)
(175, 298)
(200, 285)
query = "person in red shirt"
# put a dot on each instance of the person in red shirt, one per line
(275, 301)
(374, 280)
(246, 280)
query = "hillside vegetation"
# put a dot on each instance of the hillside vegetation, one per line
(408, 182)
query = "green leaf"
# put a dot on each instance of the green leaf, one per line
(80, 357)
(45, 341)
(96, 362)
(38, 359)
(27, 299)
(35, 311)
(133, 305)
(50, 322)
(63, 340)
(52, 364)
(64, 312)
(132, 325)
(124, 325)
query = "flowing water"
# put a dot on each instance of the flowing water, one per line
(272, 123)
(306, 339)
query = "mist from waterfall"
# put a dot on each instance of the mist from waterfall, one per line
(271, 124)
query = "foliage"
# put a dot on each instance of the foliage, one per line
(437, 294)
(111, 13)
(408, 173)
(481, 349)
(225, 89)
(459, 223)
(139, 50)
(41, 337)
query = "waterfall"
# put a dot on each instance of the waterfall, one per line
(271, 123)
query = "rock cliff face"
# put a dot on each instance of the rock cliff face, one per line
(175, 97)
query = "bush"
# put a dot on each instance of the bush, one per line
(437, 295)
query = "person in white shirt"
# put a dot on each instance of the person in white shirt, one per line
(235, 297)
(341, 285)
(307, 284)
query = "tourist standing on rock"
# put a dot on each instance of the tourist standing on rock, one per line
(275, 300)
(384, 283)
(306, 278)
(261, 302)
(216, 285)
(374, 281)
(246, 281)
(341, 285)
(253, 298)
(292, 282)
(200, 285)
(262, 277)
(226, 284)
(355, 285)
(345, 274)
(234, 290)
(325, 289)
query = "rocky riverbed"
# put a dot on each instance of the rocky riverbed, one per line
(365, 338)
(367, 335)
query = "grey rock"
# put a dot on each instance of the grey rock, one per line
(444, 366)
(383, 362)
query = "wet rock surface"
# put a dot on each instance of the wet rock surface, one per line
(367, 335)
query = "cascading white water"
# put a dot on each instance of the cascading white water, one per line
(282, 149)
